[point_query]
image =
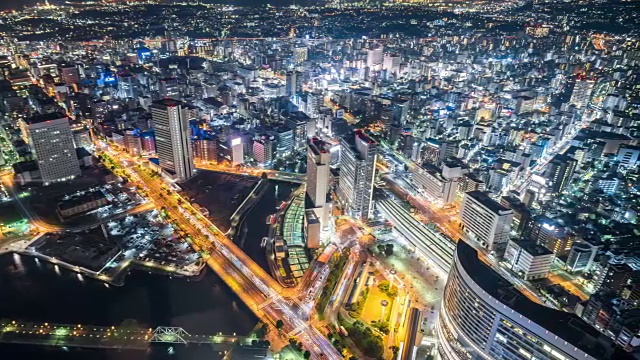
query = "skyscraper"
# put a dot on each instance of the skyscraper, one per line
(582, 92)
(357, 174)
(51, 141)
(318, 158)
(486, 221)
(293, 83)
(559, 172)
(169, 88)
(171, 125)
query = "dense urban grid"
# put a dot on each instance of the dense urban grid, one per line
(464, 175)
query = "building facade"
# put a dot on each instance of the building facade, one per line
(486, 221)
(357, 174)
(51, 140)
(483, 317)
(318, 159)
(171, 126)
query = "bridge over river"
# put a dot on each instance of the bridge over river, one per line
(114, 337)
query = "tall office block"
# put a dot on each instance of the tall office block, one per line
(582, 92)
(169, 88)
(51, 140)
(318, 159)
(483, 316)
(127, 85)
(263, 149)
(171, 124)
(293, 83)
(559, 172)
(357, 174)
(628, 155)
(486, 221)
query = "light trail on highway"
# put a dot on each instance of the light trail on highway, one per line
(254, 286)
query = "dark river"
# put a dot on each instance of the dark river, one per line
(36, 291)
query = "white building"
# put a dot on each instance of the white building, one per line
(318, 159)
(486, 221)
(581, 94)
(51, 141)
(628, 155)
(357, 174)
(528, 260)
(171, 124)
(430, 181)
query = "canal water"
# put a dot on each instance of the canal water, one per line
(32, 290)
(254, 227)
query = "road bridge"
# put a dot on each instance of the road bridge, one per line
(116, 337)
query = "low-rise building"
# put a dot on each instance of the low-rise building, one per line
(528, 259)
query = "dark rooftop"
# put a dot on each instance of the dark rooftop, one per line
(44, 117)
(487, 202)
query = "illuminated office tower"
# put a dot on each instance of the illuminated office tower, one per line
(169, 88)
(127, 85)
(582, 92)
(484, 317)
(171, 125)
(318, 158)
(51, 141)
(559, 172)
(357, 174)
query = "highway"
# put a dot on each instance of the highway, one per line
(271, 174)
(248, 280)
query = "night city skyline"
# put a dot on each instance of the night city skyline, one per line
(325, 180)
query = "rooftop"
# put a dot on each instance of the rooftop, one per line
(40, 118)
(493, 206)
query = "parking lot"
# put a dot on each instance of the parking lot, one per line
(221, 194)
(147, 238)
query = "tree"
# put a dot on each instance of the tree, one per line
(381, 248)
(307, 354)
(384, 286)
(388, 250)
(279, 324)
(394, 349)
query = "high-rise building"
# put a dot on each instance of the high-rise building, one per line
(127, 85)
(628, 155)
(300, 54)
(318, 159)
(559, 172)
(51, 140)
(486, 221)
(293, 83)
(582, 92)
(550, 234)
(484, 317)
(581, 256)
(263, 149)
(357, 174)
(375, 56)
(169, 88)
(205, 149)
(171, 125)
(432, 183)
(528, 259)
(297, 121)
